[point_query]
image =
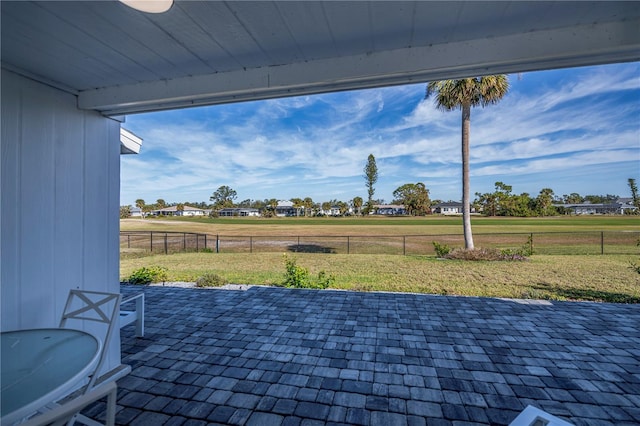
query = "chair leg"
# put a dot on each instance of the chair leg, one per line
(110, 419)
(140, 312)
(111, 407)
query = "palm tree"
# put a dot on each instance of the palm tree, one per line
(298, 203)
(308, 205)
(141, 205)
(463, 94)
(357, 204)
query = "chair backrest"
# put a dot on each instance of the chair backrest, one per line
(84, 305)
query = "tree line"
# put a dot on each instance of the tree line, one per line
(414, 197)
(502, 202)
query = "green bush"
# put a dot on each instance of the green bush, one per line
(206, 250)
(299, 277)
(125, 212)
(634, 266)
(518, 254)
(210, 280)
(145, 275)
(441, 249)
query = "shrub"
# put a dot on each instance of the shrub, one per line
(441, 249)
(148, 275)
(125, 212)
(634, 266)
(299, 277)
(520, 253)
(206, 250)
(210, 280)
(490, 254)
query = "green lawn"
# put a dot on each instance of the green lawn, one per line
(575, 277)
(599, 278)
(448, 223)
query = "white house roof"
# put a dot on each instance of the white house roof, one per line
(449, 204)
(175, 209)
(119, 60)
(285, 204)
(389, 206)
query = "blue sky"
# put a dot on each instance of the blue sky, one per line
(571, 130)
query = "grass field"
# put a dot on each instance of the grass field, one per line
(380, 225)
(574, 277)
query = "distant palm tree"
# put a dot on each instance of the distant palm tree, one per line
(463, 94)
(308, 205)
(298, 203)
(141, 205)
(357, 204)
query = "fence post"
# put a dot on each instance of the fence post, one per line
(165, 244)
(250, 244)
(348, 245)
(128, 240)
(197, 243)
(217, 243)
(184, 241)
(298, 246)
(404, 245)
(601, 242)
(151, 239)
(531, 243)
(205, 241)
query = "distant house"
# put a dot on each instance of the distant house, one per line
(238, 211)
(621, 206)
(389, 209)
(334, 211)
(173, 211)
(285, 208)
(135, 211)
(449, 208)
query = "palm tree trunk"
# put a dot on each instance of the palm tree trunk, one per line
(466, 201)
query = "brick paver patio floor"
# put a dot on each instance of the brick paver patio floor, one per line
(273, 356)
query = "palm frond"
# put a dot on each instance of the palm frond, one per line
(453, 94)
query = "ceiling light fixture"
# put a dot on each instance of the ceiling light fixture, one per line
(149, 6)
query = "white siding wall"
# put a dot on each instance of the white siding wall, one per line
(60, 170)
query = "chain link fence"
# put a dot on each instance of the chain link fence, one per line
(581, 243)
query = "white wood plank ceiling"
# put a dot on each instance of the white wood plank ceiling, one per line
(118, 60)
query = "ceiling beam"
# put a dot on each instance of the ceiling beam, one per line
(593, 44)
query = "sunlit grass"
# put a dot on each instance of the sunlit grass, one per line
(432, 225)
(599, 278)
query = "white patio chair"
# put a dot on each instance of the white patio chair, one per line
(532, 416)
(128, 316)
(104, 308)
(84, 305)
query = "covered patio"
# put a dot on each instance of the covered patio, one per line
(274, 356)
(72, 71)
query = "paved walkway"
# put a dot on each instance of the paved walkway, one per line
(270, 356)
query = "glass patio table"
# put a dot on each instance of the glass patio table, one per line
(40, 366)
